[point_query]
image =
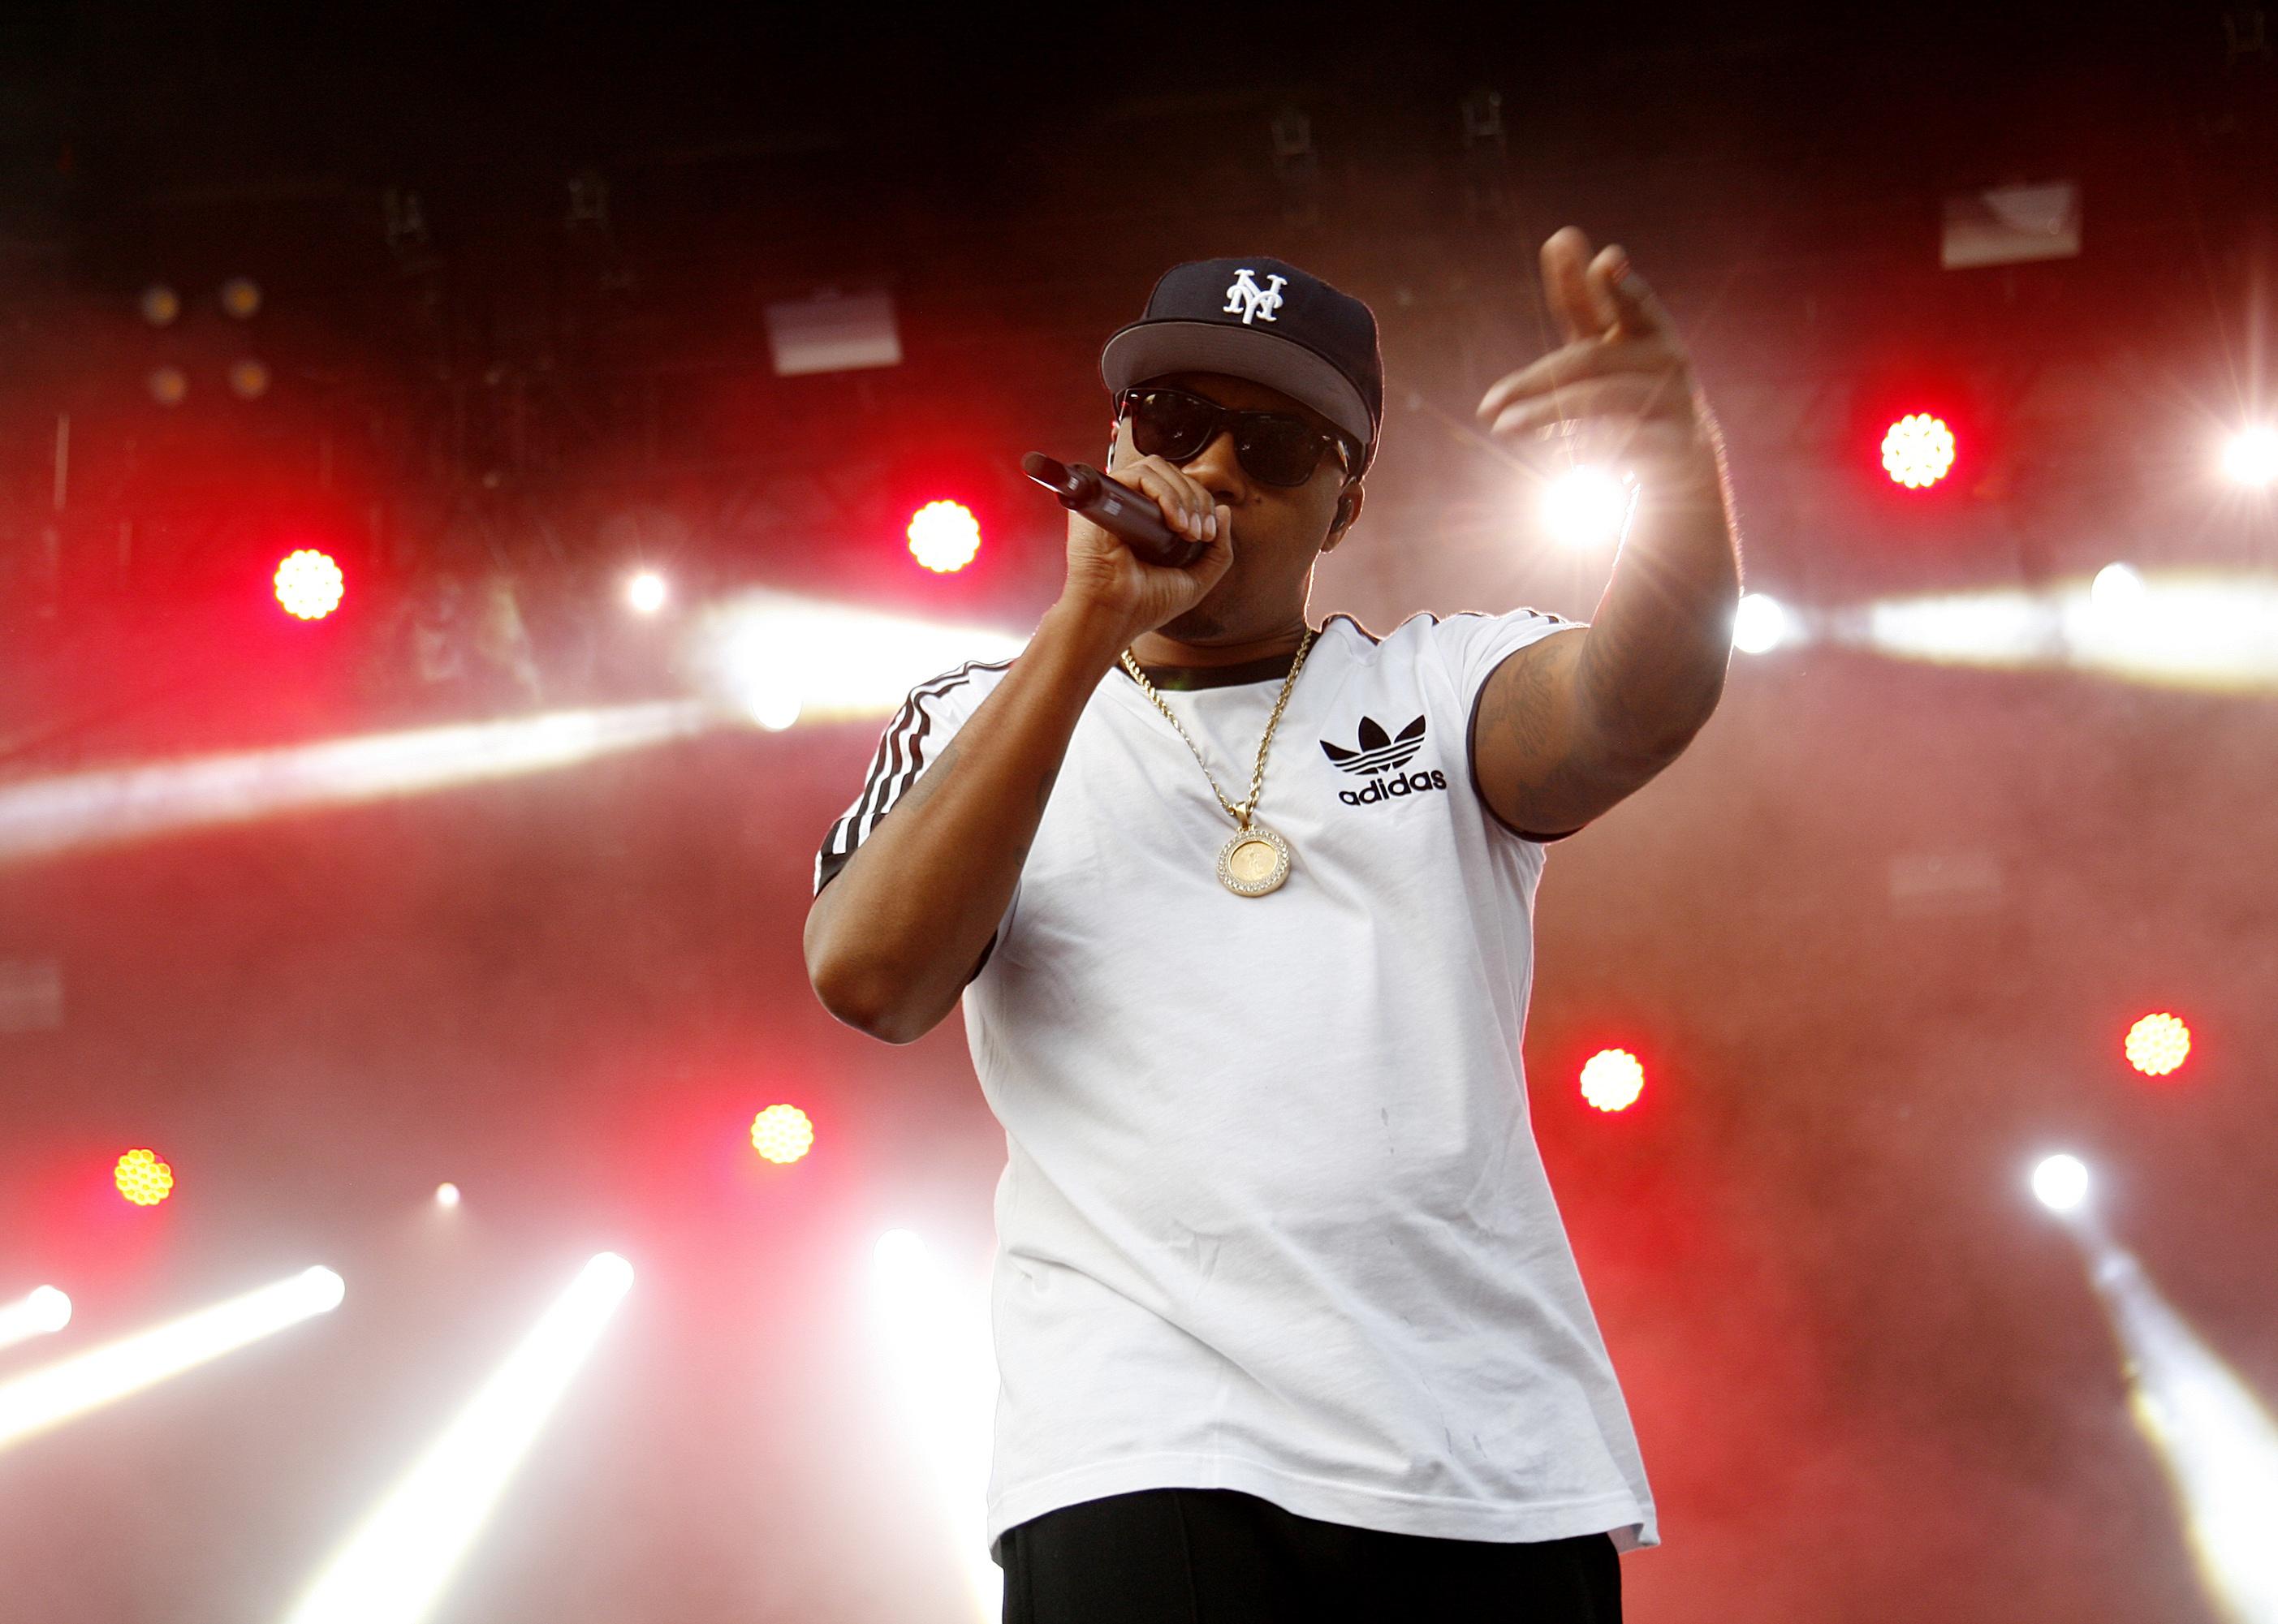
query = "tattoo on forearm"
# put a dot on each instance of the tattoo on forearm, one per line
(1531, 709)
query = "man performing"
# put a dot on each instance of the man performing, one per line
(1240, 912)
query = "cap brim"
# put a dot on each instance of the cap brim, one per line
(1150, 349)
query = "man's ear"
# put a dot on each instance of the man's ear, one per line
(1347, 510)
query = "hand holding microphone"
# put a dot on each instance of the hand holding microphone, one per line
(1145, 544)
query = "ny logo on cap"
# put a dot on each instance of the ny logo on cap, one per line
(1246, 297)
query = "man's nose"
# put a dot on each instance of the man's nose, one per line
(1219, 470)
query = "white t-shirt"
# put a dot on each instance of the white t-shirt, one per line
(1272, 1217)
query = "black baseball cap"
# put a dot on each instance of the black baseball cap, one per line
(1261, 318)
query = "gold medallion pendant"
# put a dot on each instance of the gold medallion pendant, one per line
(1254, 862)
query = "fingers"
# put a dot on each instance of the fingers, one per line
(1639, 312)
(1186, 506)
(1613, 322)
(1591, 358)
(1218, 551)
(1565, 287)
(1622, 395)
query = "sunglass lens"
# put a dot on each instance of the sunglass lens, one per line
(1281, 452)
(1170, 425)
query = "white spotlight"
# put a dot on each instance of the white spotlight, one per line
(2117, 590)
(781, 660)
(1587, 507)
(900, 1257)
(34, 1402)
(2250, 456)
(447, 1195)
(776, 705)
(394, 1567)
(646, 592)
(2060, 1182)
(1761, 624)
(38, 1311)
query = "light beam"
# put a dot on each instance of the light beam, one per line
(2202, 630)
(2215, 1437)
(393, 1567)
(780, 659)
(47, 1397)
(48, 817)
(934, 1331)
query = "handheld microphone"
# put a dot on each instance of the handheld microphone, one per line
(1131, 516)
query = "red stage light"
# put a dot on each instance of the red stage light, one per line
(1918, 451)
(782, 1133)
(944, 535)
(142, 1179)
(2158, 1044)
(1612, 1079)
(310, 584)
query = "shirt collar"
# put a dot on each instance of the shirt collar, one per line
(1273, 668)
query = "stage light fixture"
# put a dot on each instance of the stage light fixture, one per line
(309, 585)
(1761, 624)
(2158, 1044)
(945, 537)
(1918, 451)
(43, 1398)
(392, 1569)
(832, 332)
(2060, 1182)
(168, 385)
(447, 1195)
(1587, 507)
(782, 1133)
(241, 296)
(249, 379)
(1612, 1079)
(39, 1312)
(2250, 456)
(646, 591)
(142, 1179)
(160, 304)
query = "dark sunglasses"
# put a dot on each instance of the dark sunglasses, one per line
(1274, 447)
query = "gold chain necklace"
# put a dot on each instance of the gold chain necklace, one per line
(1257, 859)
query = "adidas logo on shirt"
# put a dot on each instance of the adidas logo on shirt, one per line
(1380, 757)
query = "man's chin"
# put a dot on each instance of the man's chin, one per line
(1201, 625)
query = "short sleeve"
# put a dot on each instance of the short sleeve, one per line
(912, 742)
(1473, 646)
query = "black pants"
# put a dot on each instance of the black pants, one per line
(1217, 1556)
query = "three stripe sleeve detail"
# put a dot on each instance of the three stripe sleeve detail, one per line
(904, 749)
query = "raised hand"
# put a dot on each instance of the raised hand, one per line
(1622, 365)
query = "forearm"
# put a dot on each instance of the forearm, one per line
(891, 942)
(1652, 665)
